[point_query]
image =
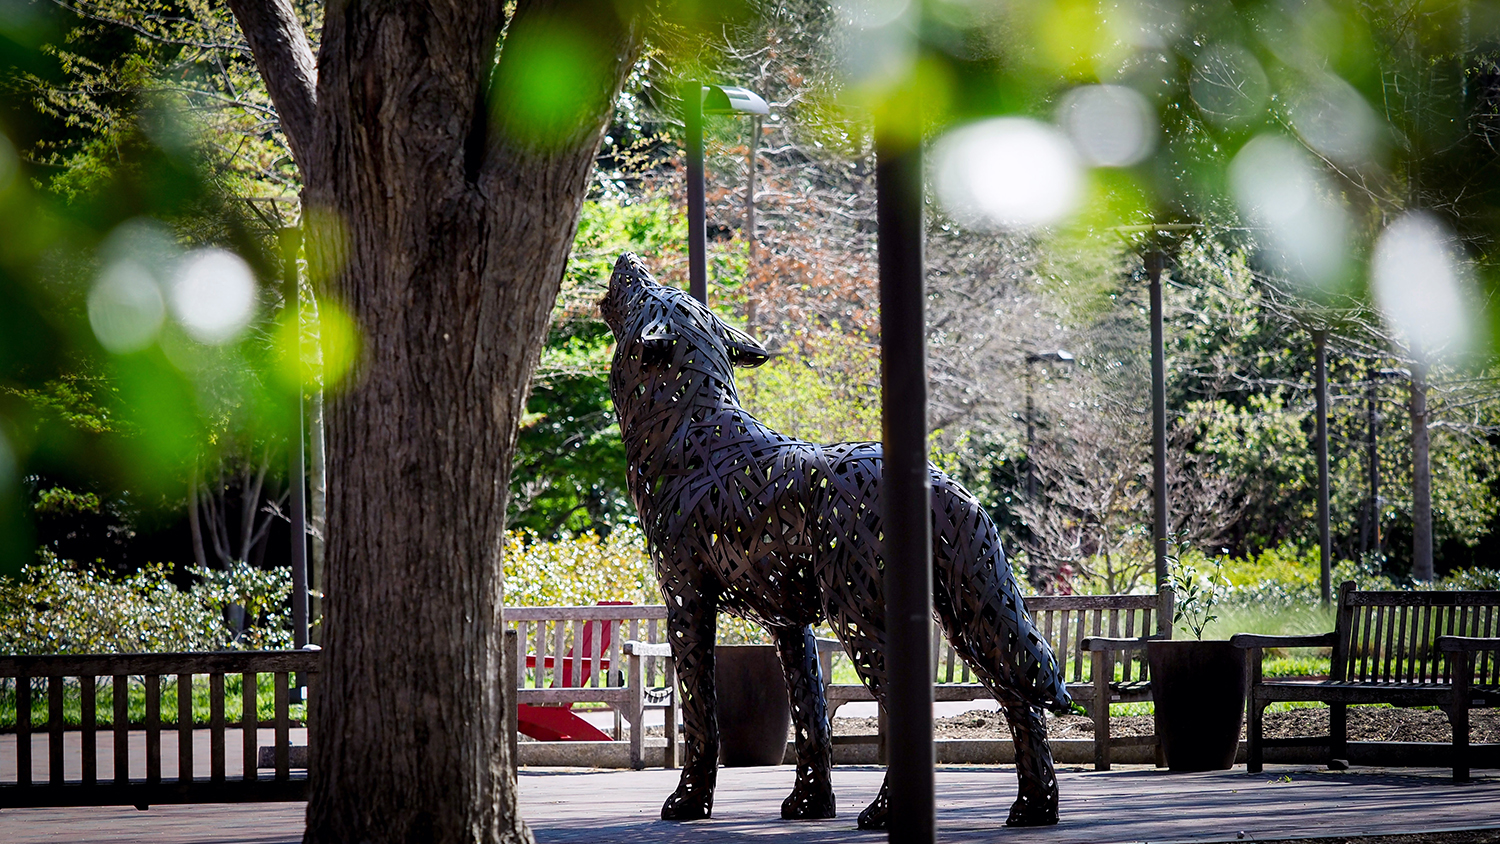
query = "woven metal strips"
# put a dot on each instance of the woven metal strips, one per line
(745, 520)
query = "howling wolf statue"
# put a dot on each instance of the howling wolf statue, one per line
(786, 533)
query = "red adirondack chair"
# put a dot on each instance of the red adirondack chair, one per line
(557, 722)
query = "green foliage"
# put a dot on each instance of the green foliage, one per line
(1198, 591)
(578, 570)
(58, 607)
(584, 569)
(823, 387)
(569, 469)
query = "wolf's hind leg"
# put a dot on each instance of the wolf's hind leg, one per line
(1036, 805)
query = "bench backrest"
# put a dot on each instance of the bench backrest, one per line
(551, 637)
(563, 643)
(62, 684)
(1066, 620)
(1390, 637)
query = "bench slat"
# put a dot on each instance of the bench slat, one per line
(184, 728)
(614, 646)
(88, 716)
(153, 728)
(1064, 631)
(23, 730)
(120, 697)
(216, 751)
(249, 726)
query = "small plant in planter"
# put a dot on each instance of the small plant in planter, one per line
(1197, 686)
(1197, 593)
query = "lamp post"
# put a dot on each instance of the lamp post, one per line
(1325, 534)
(1155, 262)
(1057, 356)
(710, 99)
(907, 505)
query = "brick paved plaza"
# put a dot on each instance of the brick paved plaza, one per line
(1126, 805)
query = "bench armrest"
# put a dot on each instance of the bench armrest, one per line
(1466, 644)
(633, 648)
(1095, 644)
(1255, 640)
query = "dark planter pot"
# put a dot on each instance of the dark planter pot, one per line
(754, 713)
(1199, 693)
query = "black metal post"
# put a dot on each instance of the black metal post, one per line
(907, 492)
(1030, 433)
(1155, 261)
(1372, 446)
(291, 244)
(1325, 542)
(692, 118)
(751, 258)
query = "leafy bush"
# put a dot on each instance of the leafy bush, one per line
(584, 569)
(578, 570)
(57, 607)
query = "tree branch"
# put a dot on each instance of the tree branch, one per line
(286, 63)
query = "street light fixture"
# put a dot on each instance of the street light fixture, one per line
(711, 99)
(1057, 356)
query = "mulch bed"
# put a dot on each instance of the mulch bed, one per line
(1366, 723)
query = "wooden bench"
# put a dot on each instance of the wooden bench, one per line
(605, 647)
(106, 753)
(1400, 648)
(1100, 640)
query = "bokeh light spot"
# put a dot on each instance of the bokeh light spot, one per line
(213, 295)
(1336, 121)
(1229, 86)
(1420, 284)
(1111, 125)
(1007, 172)
(1304, 230)
(125, 307)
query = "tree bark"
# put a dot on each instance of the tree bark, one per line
(286, 63)
(441, 213)
(1421, 479)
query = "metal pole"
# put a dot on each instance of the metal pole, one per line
(1421, 477)
(1030, 434)
(1325, 542)
(906, 490)
(750, 257)
(291, 243)
(1373, 446)
(1154, 263)
(692, 118)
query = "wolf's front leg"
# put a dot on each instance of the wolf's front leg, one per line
(690, 630)
(812, 797)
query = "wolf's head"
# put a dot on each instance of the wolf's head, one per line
(659, 329)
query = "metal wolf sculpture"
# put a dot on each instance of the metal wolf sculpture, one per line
(786, 533)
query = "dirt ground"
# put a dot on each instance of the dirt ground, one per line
(1366, 723)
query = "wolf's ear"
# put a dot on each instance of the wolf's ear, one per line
(743, 350)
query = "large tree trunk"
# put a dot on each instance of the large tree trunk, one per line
(442, 220)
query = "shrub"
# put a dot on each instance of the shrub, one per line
(58, 607)
(584, 569)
